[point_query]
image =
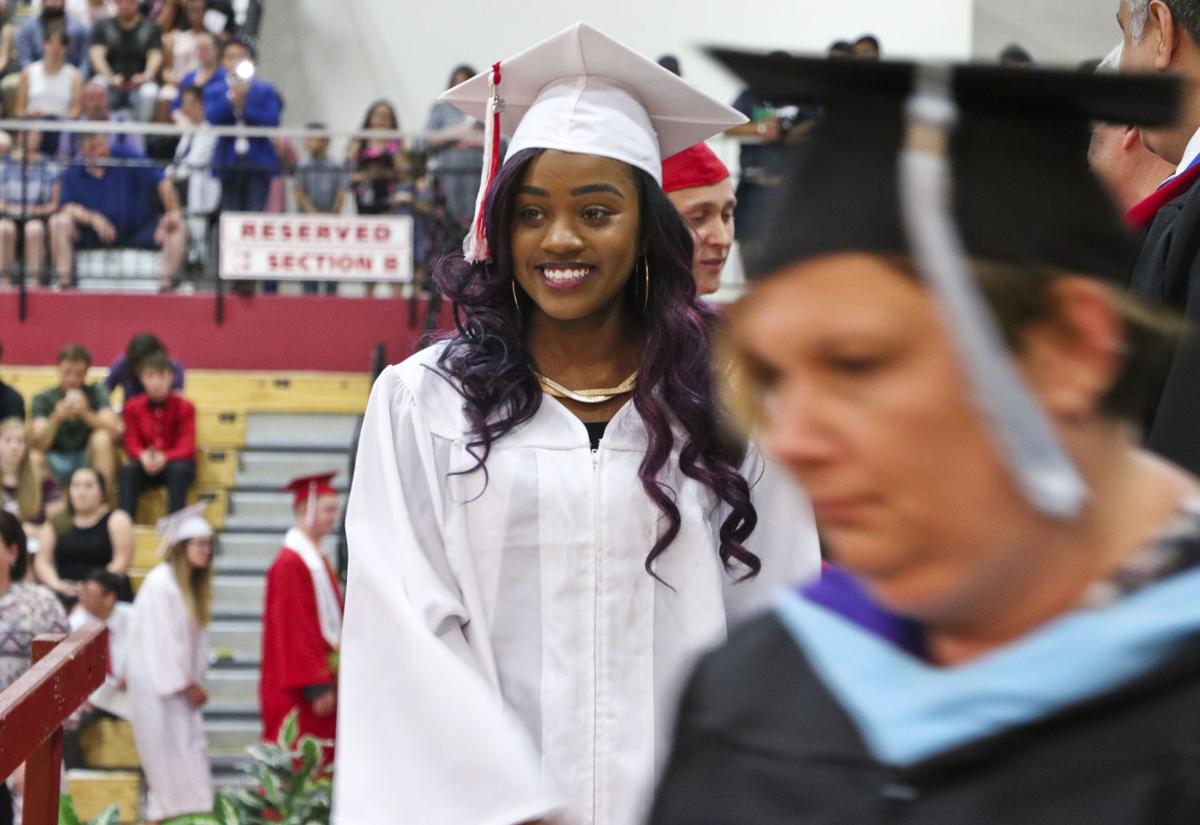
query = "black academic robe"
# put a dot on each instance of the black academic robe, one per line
(761, 741)
(1167, 273)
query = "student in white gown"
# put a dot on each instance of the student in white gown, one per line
(167, 666)
(548, 523)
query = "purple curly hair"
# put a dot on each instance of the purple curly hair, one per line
(490, 359)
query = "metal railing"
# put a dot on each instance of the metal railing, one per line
(421, 176)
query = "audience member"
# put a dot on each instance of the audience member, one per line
(95, 536)
(867, 47)
(126, 53)
(697, 183)
(763, 163)
(115, 206)
(167, 666)
(27, 611)
(12, 405)
(29, 195)
(244, 165)
(73, 423)
(377, 163)
(320, 189)
(192, 171)
(160, 439)
(181, 52)
(207, 73)
(51, 88)
(1121, 160)
(95, 109)
(99, 603)
(219, 16)
(840, 49)
(1016, 56)
(28, 493)
(1165, 37)
(124, 370)
(455, 143)
(32, 36)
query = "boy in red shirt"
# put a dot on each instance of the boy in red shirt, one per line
(160, 438)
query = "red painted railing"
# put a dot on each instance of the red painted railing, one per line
(65, 671)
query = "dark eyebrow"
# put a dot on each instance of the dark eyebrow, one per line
(592, 188)
(533, 190)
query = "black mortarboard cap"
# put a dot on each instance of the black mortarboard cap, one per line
(1022, 188)
(950, 163)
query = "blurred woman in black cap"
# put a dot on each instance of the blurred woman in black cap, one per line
(1011, 630)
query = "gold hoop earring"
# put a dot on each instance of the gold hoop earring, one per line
(516, 303)
(646, 290)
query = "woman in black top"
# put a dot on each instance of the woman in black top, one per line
(95, 537)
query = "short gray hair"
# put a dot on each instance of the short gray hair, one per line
(1185, 13)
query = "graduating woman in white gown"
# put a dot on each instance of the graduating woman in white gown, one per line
(548, 523)
(167, 667)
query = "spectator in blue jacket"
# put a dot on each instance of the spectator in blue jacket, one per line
(244, 165)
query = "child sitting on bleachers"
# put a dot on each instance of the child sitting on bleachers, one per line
(160, 438)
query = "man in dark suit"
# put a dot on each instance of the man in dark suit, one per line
(1163, 35)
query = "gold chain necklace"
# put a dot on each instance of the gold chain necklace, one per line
(597, 396)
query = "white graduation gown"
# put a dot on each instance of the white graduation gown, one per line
(166, 653)
(505, 656)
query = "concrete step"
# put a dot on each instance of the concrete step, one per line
(138, 285)
(230, 737)
(306, 432)
(241, 640)
(273, 468)
(252, 553)
(233, 685)
(262, 507)
(238, 594)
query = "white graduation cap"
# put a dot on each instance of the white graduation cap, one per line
(581, 91)
(182, 525)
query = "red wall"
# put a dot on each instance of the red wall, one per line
(263, 332)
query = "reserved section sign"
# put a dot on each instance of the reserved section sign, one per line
(316, 247)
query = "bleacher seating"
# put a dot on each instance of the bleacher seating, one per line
(254, 431)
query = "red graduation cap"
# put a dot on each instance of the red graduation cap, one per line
(695, 166)
(307, 489)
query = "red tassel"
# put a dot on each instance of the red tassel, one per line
(476, 247)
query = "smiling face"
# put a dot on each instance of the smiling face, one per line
(575, 234)
(865, 402)
(708, 212)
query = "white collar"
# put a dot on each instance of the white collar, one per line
(1189, 154)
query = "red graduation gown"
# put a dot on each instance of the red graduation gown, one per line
(294, 653)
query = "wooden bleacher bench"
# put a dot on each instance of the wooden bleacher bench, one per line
(93, 791)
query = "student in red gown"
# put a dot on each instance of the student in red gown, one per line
(302, 620)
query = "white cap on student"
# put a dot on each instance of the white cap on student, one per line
(581, 91)
(182, 525)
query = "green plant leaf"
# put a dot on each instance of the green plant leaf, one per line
(227, 812)
(108, 816)
(290, 730)
(66, 811)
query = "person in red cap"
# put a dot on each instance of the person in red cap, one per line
(698, 184)
(302, 620)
